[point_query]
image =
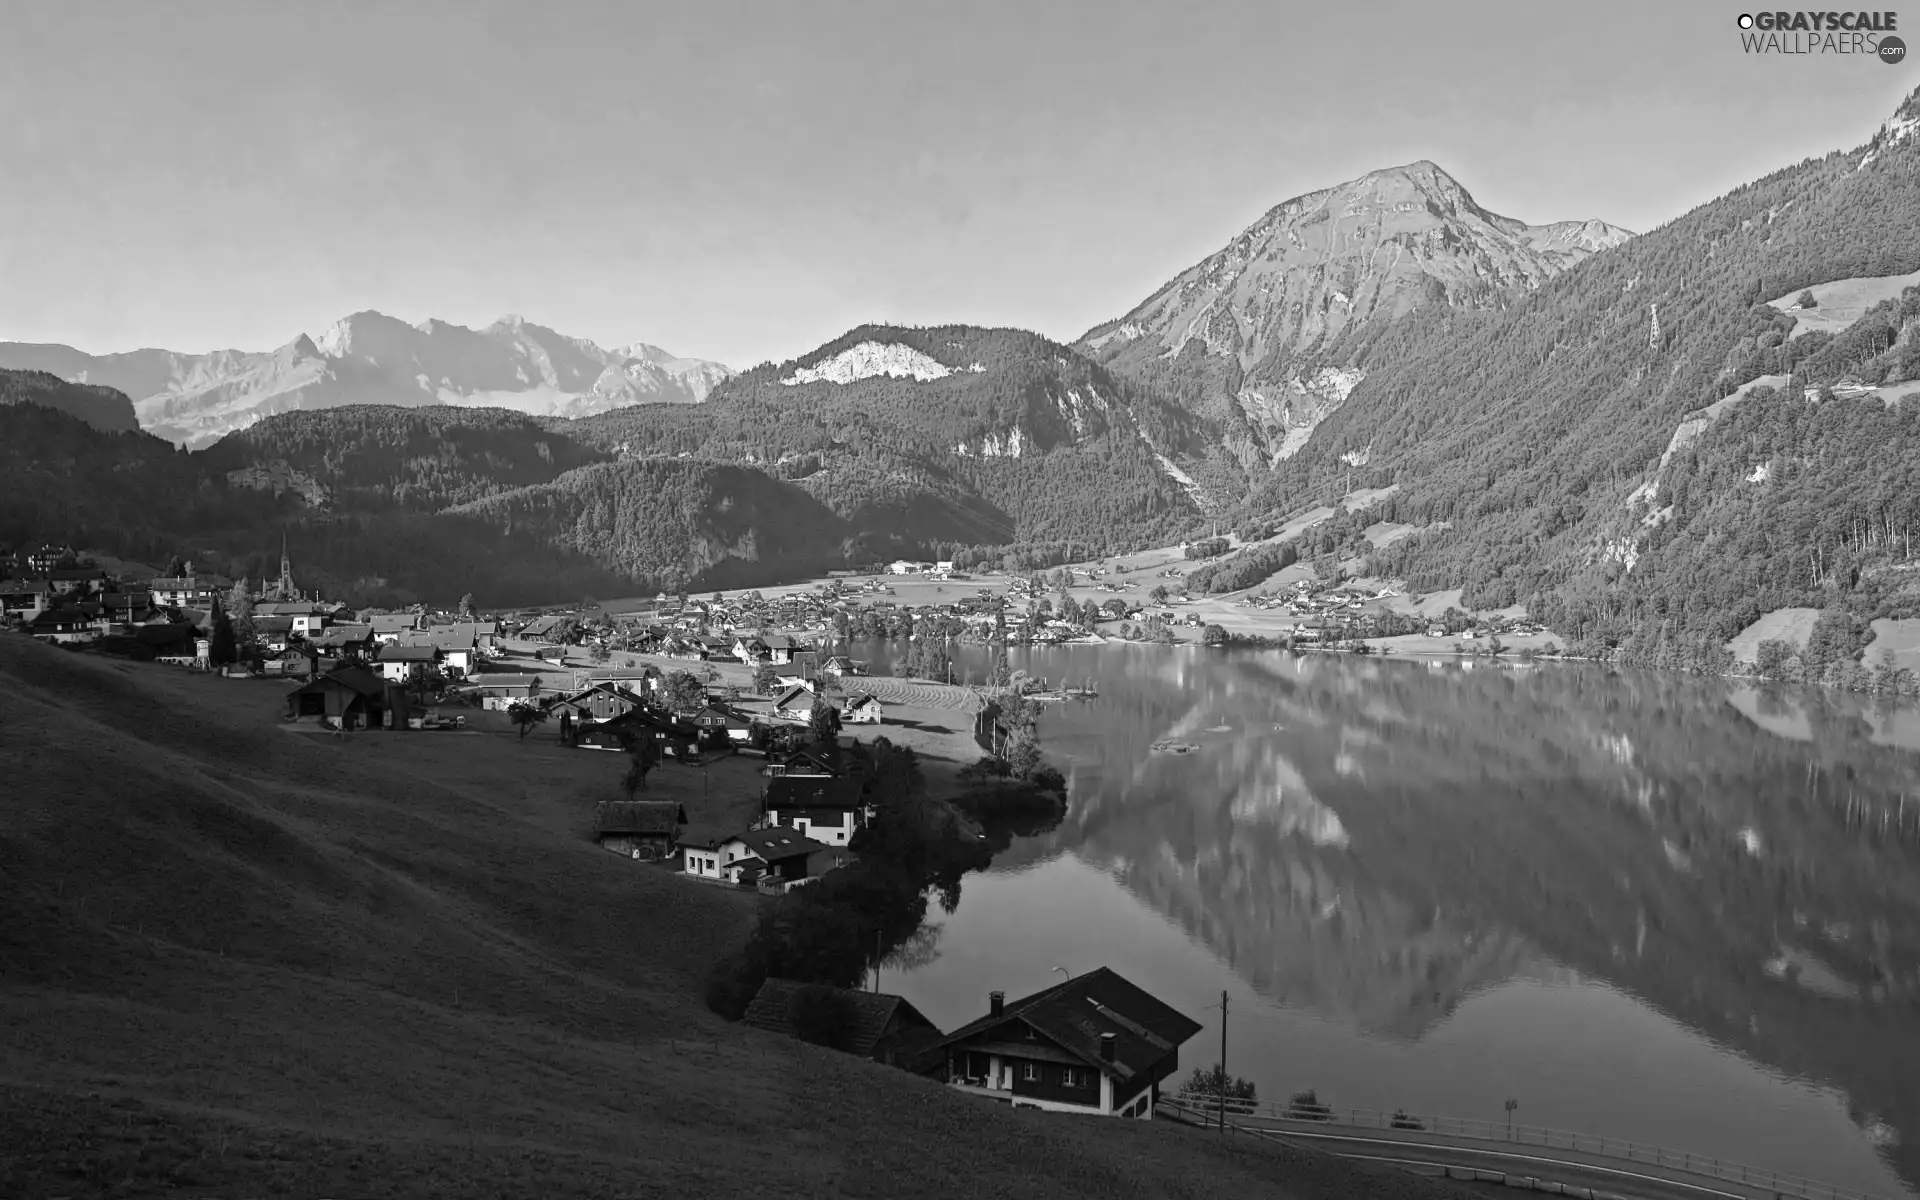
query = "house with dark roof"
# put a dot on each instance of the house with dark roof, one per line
(701, 849)
(1095, 1044)
(336, 639)
(776, 859)
(862, 709)
(350, 697)
(796, 703)
(644, 829)
(677, 739)
(885, 1029)
(826, 808)
(602, 700)
(24, 598)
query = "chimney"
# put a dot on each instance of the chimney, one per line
(996, 1002)
(1107, 1042)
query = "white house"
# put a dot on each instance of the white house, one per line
(392, 627)
(861, 710)
(826, 808)
(398, 663)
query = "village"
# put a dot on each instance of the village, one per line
(682, 690)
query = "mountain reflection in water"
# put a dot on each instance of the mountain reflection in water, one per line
(1703, 886)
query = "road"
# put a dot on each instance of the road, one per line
(1574, 1170)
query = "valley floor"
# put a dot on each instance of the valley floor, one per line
(241, 961)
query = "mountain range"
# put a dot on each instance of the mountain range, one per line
(193, 400)
(1647, 441)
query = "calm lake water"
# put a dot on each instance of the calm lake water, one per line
(1647, 907)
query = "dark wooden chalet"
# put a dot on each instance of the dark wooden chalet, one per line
(1094, 1044)
(645, 829)
(676, 739)
(883, 1028)
(351, 697)
(603, 701)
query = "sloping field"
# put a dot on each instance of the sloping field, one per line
(237, 962)
(1793, 625)
(1901, 638)
(1843, 301)
(915, 693)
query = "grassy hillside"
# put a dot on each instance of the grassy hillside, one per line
(241, 961)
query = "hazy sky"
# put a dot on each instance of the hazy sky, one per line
(742, 181)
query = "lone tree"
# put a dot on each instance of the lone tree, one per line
(239, 606)
(1806, 299)
(526, 716)
(682, 690)
(643, 755)
(823, 719)
(225, 647)
(765, 679)
(466, 606)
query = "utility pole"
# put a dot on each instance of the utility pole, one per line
(1223, 1062)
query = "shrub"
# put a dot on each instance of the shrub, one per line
(1306, 1106)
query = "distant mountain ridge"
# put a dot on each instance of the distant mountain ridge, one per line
(1251, 334)
(370, 358)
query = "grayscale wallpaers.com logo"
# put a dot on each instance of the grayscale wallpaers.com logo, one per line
(1867, 33)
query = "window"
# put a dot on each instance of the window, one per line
(1030, 1035)
(1030, 1072)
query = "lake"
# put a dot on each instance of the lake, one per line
(1680, 911)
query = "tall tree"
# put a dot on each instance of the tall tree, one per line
(225, 647)
(643, 755)
(240, 614)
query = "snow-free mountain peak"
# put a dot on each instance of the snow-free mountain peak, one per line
(1261, 320)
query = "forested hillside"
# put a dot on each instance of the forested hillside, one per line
(102, 408)
(673, 522)
(1527, 443)
(138, 497)
(1019, 440)
(377, 457)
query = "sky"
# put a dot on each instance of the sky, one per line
(744, 181)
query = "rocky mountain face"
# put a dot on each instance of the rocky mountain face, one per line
(369, 358)
(1251, 336)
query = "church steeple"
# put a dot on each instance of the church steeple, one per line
(284, 588)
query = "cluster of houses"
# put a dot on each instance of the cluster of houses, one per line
(1095, 1044)
(1337, 613)
(57, 596)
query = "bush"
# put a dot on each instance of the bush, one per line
(1402, 1121)
(1306, 1106)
